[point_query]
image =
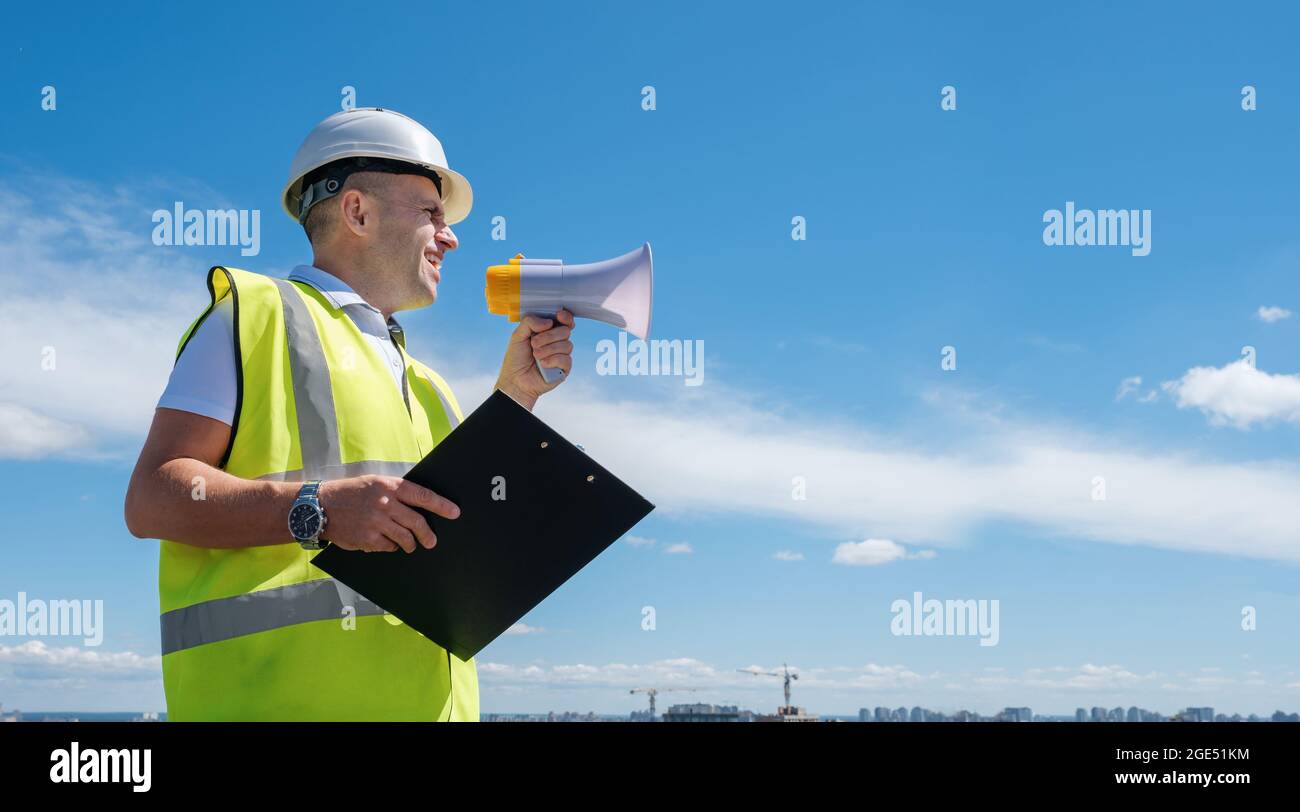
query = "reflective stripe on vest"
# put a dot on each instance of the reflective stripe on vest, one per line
(318, 428)
(252, 612)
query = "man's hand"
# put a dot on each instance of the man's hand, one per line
(536, 339)
(373, 513)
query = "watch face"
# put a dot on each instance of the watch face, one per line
(304, 521)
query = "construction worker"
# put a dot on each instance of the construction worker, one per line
(291, 414)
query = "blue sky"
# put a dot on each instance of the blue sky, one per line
(822, 355)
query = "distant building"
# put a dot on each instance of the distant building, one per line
(700, 712)
(1098, 714)
(1016, 715)
(1198, 715)
(1080, 715)
(918, 714)
(1134, 715)
(788, 713)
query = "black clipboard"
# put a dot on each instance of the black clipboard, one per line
(501, 557)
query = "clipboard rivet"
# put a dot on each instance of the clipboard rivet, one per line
(544, 444)
(591, 477)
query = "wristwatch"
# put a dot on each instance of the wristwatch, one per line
(307, 517)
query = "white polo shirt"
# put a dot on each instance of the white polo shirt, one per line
(204, 380)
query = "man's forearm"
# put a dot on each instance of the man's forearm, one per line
(192, 502)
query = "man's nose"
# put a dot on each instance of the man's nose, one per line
(448, 238)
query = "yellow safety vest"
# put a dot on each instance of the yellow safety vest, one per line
(258, 632)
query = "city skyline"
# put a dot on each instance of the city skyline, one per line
(878, 715)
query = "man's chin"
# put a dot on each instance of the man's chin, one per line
(428, 287)
(422, 296)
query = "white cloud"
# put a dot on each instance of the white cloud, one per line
(1269, 315)
(873, 552)
(681, 548)
(1131, 385)
(1127, 386)
(34, 660)
(1087, 678)
(713, 453)
(109, 304)
(25, 434)
(787, 555)
(524, 628)
(639, 541)
(661, 673)
(35, 676)
(868, 553)
(1238, 394)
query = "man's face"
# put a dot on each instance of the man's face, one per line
(413, 238)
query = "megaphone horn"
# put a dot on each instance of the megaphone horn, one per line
(617, 291)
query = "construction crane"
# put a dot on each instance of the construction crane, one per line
(653, 692)
(788, 676)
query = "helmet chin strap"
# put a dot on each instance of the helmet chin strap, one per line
(315, 193)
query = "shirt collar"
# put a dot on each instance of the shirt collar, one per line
(335, 290)
(339, 294)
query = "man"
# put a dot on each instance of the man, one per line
(292, 411)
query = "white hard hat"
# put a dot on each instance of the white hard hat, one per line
(381, 136)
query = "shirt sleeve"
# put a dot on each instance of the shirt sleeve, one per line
(205, 378)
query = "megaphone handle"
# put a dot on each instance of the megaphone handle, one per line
(550, 374)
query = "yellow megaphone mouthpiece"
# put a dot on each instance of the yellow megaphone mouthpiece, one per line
(503, 289)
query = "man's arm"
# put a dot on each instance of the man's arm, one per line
(178, 493)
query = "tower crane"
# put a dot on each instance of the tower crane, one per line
(653, 692)
(788, 676)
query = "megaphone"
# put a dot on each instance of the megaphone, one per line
(616, 291)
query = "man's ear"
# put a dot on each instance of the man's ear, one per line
(356, 210)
